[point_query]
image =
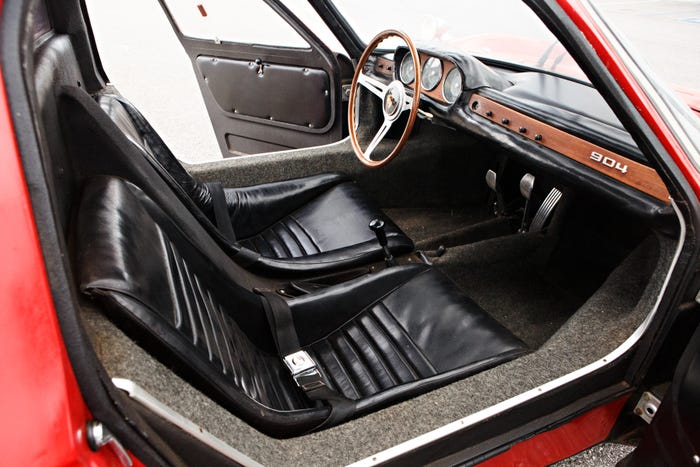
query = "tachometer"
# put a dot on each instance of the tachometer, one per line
(407, 71)
(432, 73)
(452, 88)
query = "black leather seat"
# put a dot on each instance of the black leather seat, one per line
(312, 224)
(376, 339)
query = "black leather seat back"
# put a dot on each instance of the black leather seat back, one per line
(128, 119)
(98, 147)
(132, 258)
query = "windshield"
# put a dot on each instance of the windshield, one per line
(505, 30)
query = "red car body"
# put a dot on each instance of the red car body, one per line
(44, 414)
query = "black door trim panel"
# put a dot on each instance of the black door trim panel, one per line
(280, 95)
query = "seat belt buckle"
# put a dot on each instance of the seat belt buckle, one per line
(304, 370)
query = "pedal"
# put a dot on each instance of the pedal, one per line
(527, 184)
(499, 207)
(545, 211)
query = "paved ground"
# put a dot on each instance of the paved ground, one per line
(602, 455)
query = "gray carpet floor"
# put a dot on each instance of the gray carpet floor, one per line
(511, 280)
(423, 225)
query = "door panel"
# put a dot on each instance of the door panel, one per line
(279, 95)
(263, 98)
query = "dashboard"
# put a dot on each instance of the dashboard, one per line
(565, 118)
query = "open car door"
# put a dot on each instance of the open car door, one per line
(673, 437)
(268, 82)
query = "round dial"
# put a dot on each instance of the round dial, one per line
(452, 88)
(432, 73)
(407, 71)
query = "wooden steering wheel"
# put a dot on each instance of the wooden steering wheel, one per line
(394, 98)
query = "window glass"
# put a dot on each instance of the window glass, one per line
(504, 30)
(303, 10)
(672, 50)
(242, 21)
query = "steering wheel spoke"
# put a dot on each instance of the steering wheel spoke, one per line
(383, 130)
(373, 85)
(407, 103)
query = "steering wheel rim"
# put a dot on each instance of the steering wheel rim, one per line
(395, 101)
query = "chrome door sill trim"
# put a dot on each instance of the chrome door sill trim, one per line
(144, 398)
(507, 404)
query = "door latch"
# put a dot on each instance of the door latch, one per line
(99, 436)
(261, 67)
(647, 406)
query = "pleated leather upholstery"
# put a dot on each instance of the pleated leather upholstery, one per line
(371, 353)
(213, 331)
(332, 221)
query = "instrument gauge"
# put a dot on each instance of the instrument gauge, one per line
(432, 73)
(407, 70)
(452, 88)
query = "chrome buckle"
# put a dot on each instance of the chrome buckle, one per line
(304, 370)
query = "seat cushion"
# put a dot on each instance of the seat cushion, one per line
(336, 220)
(425, 328)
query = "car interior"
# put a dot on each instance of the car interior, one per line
(510, 233)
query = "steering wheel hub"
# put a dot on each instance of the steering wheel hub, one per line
(394, 98)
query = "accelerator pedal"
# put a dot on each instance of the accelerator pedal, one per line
(545, 211)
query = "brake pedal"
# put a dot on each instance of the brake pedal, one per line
(499, 207)
(527, 184)
(545, 211)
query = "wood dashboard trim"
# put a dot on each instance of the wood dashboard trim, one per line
(625, 170)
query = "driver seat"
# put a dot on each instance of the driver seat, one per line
(314, 224)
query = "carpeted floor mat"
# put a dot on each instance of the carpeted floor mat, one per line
(511, 278)
(424, 224)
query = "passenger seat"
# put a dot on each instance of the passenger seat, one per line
(314, 224)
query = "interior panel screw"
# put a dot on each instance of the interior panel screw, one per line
(505, 121)
(538, 137)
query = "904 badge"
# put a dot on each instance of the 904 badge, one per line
(608, 162)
